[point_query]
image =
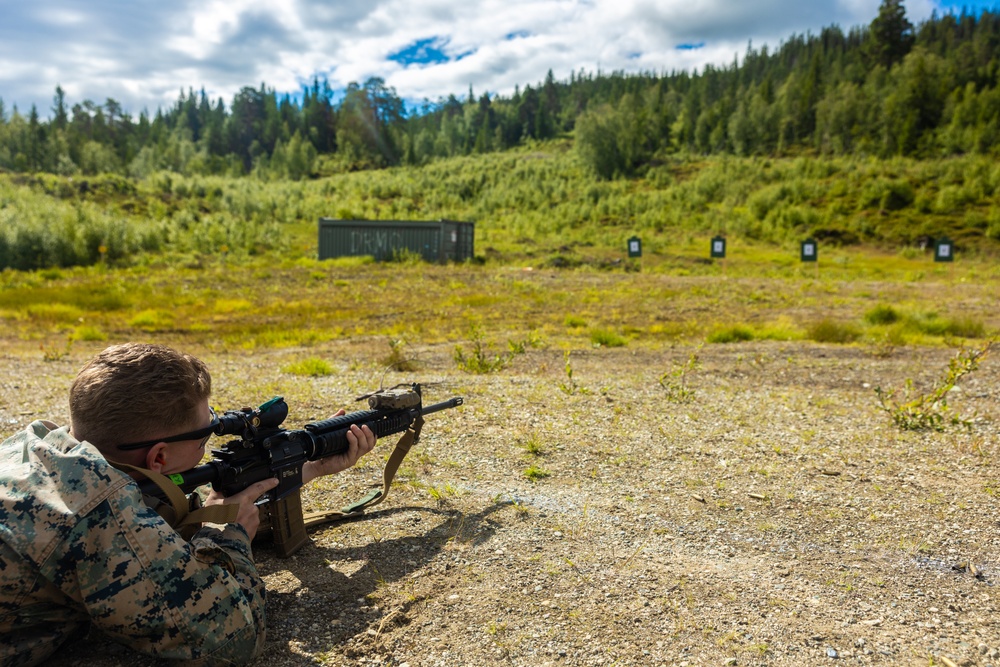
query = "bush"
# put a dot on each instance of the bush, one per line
(887, 195)
(882, 314)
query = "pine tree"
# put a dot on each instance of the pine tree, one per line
(59, 115)
(890, 36)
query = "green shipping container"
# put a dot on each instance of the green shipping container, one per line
(440, 241)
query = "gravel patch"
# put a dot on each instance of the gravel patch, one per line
(771, 515)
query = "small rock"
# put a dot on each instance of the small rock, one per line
(832, 653)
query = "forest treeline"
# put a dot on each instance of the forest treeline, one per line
(886, 89)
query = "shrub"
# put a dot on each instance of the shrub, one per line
(918, 411)
(887, 195)
(882, 314)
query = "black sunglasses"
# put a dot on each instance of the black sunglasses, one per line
(205, 433)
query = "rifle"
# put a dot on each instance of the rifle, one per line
(264, 450)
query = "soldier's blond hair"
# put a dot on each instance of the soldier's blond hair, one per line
(137, 391)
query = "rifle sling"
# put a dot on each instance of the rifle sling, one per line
(376, 496)
(177, 510)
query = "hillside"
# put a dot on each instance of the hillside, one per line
(536, 205)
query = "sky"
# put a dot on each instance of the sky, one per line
(143, 53)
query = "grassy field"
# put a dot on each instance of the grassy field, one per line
(867, 300)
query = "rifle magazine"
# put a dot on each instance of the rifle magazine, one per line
(281, 521)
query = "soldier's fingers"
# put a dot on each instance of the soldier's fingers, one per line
(365, 438)
(256, 490)
(352, 435)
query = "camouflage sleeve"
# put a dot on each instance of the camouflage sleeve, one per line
(144, 586)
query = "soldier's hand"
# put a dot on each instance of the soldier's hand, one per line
(360, 441)
(249, 514)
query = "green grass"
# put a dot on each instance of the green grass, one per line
(882, 314)
(152, 319)
(311, 367)
(731, 334)
(89, 333)
(831, 331)
(535, 473)
(606, 338)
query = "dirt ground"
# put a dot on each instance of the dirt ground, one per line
(753, 508)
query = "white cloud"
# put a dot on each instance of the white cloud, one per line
(143, 52)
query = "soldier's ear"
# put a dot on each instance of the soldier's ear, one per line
(156, 457)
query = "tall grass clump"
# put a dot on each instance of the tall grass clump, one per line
(931, 324)
(882, 314)
(483, 358)
(965, 327)
(733, 334)
(311, 367)
(606, 338)
(831, 331)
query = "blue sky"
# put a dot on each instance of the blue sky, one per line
(142, 53)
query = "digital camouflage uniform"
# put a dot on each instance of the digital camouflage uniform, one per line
(78, 547)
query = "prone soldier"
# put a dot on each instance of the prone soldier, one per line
(79, 547)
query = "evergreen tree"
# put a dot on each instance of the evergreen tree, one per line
(890, 34)
(59, 115)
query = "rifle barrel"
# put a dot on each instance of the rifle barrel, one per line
(443, 405)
